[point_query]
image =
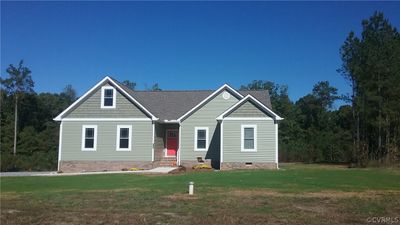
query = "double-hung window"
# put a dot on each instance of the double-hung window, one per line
(108, 97)
(249, 138)
(200, 138)
(89, 137)
(124, 137)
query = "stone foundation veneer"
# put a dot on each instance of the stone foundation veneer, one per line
(86, 166)
(191, 163)
(242, 165)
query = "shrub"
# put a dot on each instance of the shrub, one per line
(201, 166)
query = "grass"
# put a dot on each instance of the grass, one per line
(296, 194)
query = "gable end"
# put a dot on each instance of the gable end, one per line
(90, 105)
(249, 107)
(224, 87)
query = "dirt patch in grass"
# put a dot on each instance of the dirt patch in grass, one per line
(211, 206)
(321, 194)
(118, 190)
(254, 192)
(181, 196)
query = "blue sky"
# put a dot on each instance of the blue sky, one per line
(182, 45)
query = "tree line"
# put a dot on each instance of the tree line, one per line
(28, 134)
(365, 130)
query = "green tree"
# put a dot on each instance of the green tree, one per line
(18, 83)
(70, 93)
(130, 84)
(371, 62)
(156, 87)
(325, 94)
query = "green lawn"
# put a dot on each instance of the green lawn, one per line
(296, 194)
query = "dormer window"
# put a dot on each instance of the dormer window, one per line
(107, 97)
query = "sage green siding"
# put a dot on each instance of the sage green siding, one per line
(248, 109)
(232, 141)
(141, 148)
(204, 117)
(91, 108)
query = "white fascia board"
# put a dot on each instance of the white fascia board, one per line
(246, 118)
(209, 97)
(170, 121)
(248, 97)
(133, 99)
(58, 118)
(107, 78)
(277, 117)
(106, 119)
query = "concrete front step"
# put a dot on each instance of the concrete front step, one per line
(168, 159)
(167, 162)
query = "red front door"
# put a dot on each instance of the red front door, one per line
(172, 142)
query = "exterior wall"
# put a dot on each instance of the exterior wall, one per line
(91, 108)
(248, 109)
(204, 117)
(266, 150)
(141, 149)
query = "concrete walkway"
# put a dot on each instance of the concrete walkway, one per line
(157, 170)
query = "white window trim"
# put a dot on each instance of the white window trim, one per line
(195, 139)
(94, 137)
(242, 138)
(118, 138)
(102, 97)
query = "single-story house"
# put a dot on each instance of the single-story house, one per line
(112, 127)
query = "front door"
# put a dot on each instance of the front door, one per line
(172, 142)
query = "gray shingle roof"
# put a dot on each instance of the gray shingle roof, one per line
(170, 105)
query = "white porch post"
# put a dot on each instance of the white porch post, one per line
(178, 158)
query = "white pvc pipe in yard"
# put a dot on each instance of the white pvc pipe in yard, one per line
(191, 188)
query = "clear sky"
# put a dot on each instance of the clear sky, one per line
(182, 45)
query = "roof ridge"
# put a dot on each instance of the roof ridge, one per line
(173, 91)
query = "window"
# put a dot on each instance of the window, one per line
(89, 137)
(200, 138)
(249, 138)
(107, 97)
(124, 140)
